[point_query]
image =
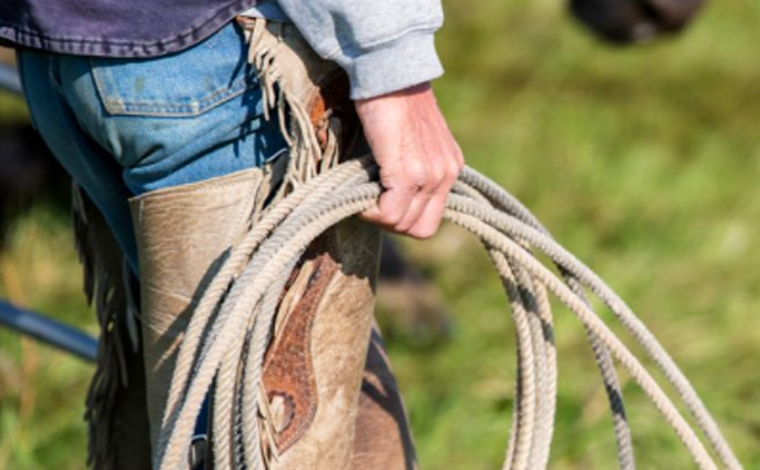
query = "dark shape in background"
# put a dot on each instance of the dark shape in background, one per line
(634, 21)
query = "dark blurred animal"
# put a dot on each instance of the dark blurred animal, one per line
(29, 175)
(634, 21)
(409, 305)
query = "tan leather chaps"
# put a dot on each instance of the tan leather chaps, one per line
(333, 399)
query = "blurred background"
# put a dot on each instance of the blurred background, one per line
(643, 161)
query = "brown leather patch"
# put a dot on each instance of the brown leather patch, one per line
(245, 22)
(288, 370)
(332, 103)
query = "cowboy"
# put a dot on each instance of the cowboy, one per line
(153, 110)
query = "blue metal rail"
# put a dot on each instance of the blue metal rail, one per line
(9, 79)
(26, 322)
(41, 327)
(49, 331)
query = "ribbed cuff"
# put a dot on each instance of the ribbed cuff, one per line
(409, 61)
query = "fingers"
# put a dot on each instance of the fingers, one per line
(413, 205)
(392, 206)
(430, 219)
(426, 224)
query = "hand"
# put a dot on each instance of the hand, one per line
(418, 157)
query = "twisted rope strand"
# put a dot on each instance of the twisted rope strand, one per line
(661, 401)
(482, 190)
(526, 389)
(638, 330)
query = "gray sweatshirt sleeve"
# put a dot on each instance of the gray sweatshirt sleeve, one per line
(384, 45)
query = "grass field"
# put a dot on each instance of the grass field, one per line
(643, 162)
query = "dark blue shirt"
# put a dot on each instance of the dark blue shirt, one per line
(114, 28)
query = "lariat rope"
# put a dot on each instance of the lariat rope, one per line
(228, 334)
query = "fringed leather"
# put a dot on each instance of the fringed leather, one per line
(115, 405)
(309, 95)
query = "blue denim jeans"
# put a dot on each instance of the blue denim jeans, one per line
(124, 127)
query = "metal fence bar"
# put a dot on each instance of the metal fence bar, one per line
(9, 79)
(50, 331)
(26, 322)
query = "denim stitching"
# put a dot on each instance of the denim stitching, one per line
(196, 106)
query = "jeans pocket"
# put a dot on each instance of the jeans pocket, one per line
(183, 84)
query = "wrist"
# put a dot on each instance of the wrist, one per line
(411, 91)
(388, 105)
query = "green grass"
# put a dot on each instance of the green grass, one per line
(643, 162)
(42, 390)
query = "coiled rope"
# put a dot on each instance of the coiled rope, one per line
(226, 339)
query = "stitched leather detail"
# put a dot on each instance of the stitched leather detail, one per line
(330, 105)
(283, 410)
(288, 368)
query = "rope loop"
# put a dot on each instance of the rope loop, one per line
(229, 333)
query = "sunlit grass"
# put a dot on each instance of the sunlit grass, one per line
(42, 390)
